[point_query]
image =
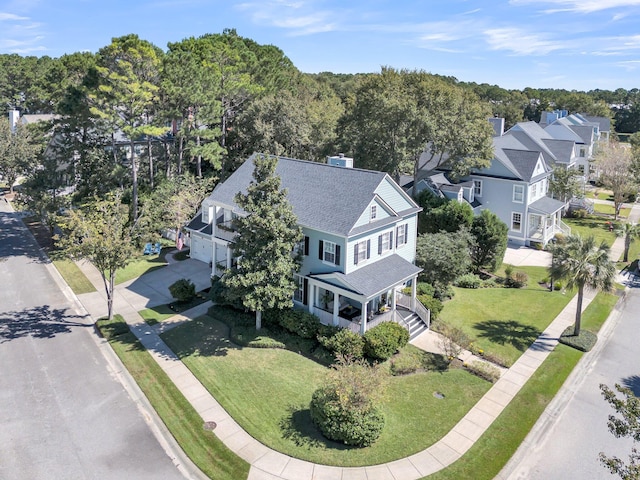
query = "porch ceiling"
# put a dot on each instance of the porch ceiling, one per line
(376, 278)
(546, 206)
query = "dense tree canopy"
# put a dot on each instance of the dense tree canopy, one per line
(267, 237)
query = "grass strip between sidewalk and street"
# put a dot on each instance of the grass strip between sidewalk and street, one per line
(74, 277)
(184, 423)
(492, 451)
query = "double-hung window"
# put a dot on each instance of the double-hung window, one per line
(374, 212)
(518, 193)
(385, 242)
(402, 233)
(361, 251)
(329, 252)
(516, 221)
(477, 188)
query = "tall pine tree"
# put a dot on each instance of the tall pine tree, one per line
(267, 237)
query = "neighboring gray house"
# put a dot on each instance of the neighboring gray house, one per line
(359, 241)
(515, 185)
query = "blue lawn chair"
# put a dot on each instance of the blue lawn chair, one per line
(155, 250)
(147, 249)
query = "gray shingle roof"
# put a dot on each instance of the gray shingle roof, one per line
(323, 197)
(196, 223)
(379, 276)
(546, 205)
(585, 132)
(524, 162)
(603, 122)
(561, 149)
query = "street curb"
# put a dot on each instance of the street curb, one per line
(164, 437)
(546, 422)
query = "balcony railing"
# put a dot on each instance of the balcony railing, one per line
(226, 231)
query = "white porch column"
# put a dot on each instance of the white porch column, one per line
(363, 317)
(414, 285)
(229, 256)
(311, 295)
(214, 259)
(393, 299)
(336, 308)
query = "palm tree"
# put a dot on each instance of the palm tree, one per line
(581, 262)
(630, 231)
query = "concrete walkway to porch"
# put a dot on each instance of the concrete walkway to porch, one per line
(267, 464)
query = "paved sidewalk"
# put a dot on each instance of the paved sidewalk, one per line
(267, 464)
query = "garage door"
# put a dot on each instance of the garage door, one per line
(200, 248)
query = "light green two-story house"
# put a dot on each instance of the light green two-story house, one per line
(359, 241)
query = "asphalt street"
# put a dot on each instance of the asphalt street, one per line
(566, 441)
(63, 411)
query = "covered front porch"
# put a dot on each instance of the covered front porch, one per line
(364, 298)
(545, 220)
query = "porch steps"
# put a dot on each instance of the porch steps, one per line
(415, 325)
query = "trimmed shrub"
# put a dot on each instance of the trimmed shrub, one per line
(583, 342)
(483, 370)
(327, 331)
(558, 285)
(183, 290)
(248, 337)
(422, 288)
(469, 280)
(345, 342)
(508, 270)
(351, 426)
(384, 340)
(517, 280)
(433, 304)
(300, 322)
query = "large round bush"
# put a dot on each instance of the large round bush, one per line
(345, 343)
(351, 425)
(383, 340)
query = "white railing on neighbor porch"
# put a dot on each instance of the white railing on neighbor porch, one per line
(564, 228)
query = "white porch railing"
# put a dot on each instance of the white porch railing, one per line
(423, 312)
(564, 228)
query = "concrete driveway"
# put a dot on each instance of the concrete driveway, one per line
(525, 256)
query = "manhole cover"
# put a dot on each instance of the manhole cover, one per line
(209, 426)
(438, 395)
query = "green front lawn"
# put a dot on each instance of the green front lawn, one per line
(184, 423)
(602, 194)
(504, 322)
(610, 210)
(494, 449)
(140, 265)
(163, 312)
(591, 225)
(267, 391)
(74, 277)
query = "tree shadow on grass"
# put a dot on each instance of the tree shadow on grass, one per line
(508, 332)
(633, 384)
(298, 427)
(37, 322)
(203, 336)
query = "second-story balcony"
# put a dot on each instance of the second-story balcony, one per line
(226, 231)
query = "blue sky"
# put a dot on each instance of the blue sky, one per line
(572, 44)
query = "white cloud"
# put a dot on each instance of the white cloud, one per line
(520, 42)
(11, 16)
(581, 6)
(629, 65)
(299, 17)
